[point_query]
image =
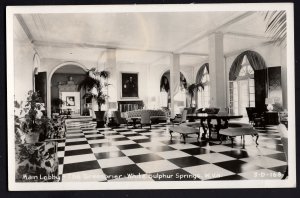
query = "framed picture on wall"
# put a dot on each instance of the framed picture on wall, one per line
(130, 85)
(70, 101)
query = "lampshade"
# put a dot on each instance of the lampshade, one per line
(269, 101)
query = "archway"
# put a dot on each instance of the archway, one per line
(244, 89)
(165, 97)
(203, 95)
(64, 78)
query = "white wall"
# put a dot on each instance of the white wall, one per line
(23, 62)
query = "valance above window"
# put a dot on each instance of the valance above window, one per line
(201, 72)
(255, 60)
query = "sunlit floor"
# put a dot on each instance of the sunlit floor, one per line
(123, 154)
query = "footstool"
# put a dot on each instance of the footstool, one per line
(184, 131)
(239, 130)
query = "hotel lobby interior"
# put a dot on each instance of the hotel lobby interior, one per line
(150, 96)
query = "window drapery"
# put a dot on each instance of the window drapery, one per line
(201, 71)
(255, 59)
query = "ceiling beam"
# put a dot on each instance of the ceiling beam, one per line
(25, 27)
(237, 34)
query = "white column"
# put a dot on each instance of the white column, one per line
(174, 78)
(217, 71)
(112, 79)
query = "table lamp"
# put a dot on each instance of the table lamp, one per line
(269, 102)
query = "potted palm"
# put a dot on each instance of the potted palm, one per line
(94, 91)
(191, 89)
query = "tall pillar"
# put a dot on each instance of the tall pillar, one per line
(217, 71)
(112, 79)
(174, 78)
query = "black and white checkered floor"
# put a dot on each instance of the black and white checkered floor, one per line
(122, 154)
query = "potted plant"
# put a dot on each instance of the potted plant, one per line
(191, 89)
(94, 87)
(30, 124)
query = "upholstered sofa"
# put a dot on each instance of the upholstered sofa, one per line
(156, 116)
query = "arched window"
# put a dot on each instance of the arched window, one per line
(242, 83)
(203, 94)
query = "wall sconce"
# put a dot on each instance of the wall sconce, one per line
(269, 102)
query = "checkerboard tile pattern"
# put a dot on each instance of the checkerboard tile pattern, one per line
(122, 154)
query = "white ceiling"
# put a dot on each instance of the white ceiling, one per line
(146, 38)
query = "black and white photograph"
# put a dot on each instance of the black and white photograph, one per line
(195, 96)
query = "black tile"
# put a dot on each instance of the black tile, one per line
(160, 148)
(129, 146)
(278, 156)
(76, 143)
(230, 177)
(123, 130)
(145, 158)
(91, 133)
(132, 135)
(81, 166)
(61, 148)
(142, 140)
(119, 139)
(122, 171)
(106, 155)
(197, 151)
(236, 153)
(100, 144)
(95, 138)
(170, 142)
(187, 161)
(173, 175)
(280, 169)
(61, 160)
(237, 166)
(274, 147)
(203, 143)
(60, 141)
(78, 152)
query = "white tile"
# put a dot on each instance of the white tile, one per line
(172, 154)
(151, 144)
(94, 135)
(112, 162)
(61, 144)
(140, 137)
(98, 141)
(137, 151)
(264, 161)
(85, 176)
(125, 142)
(127, 132)
(60, 153)
(75, 140)
(262, 174)
(60, 169)
(79, 158)
(77, 147)
(73, 135)
(214, 157)
(208, 171)
(181, 146)
(157, 166)
(113, 136)
(105, 149)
